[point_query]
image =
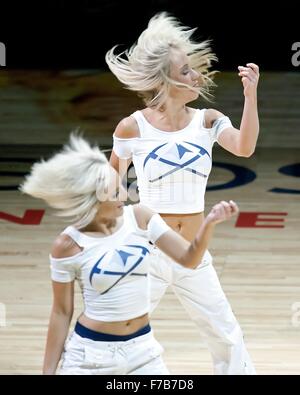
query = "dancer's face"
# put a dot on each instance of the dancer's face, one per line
(112, 200)
(181, 71)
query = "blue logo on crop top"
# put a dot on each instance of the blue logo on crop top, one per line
(177, 157)
(120, 263)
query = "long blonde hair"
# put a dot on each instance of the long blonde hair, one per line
(147, 64)
(71, 180)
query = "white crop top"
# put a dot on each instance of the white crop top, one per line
(112, 271)
(172, 168)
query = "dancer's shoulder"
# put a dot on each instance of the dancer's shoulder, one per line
(64, 247)
(143, 214)
(127, 128)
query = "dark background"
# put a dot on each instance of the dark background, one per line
(76, 34)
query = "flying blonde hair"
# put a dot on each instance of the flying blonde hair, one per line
(146, 67)
(71, 181)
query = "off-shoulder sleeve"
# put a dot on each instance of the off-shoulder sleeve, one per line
(219, 126)
(63, 270)
(123, 148)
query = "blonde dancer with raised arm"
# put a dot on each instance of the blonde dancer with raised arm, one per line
(170, 145)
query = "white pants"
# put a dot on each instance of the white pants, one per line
(140, 356)
(200, 293)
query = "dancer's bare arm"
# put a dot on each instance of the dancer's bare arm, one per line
(241, 142)
(62, 308)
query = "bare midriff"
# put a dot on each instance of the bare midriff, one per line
(186, 225)
(119, 328)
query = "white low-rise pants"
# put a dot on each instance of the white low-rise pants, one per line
(200, 292)
(138, 356)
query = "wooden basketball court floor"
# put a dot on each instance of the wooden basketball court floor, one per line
(259, 267)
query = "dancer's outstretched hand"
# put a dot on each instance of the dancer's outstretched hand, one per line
(250, 77)
(222, 212)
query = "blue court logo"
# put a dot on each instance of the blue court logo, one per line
(175, 157)
(2, 55)
(120, 263)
